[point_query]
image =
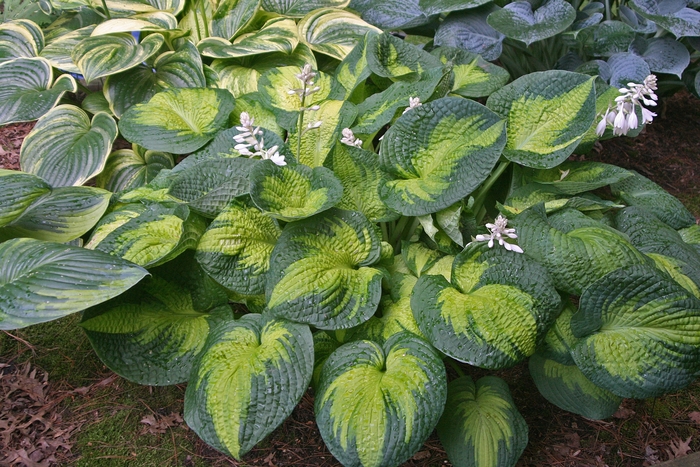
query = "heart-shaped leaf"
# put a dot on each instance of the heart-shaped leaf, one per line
(231, 16)
(474, 76)
(671, 15)
(469, 30)
(333, 32)
(663, 55)
(58, 51)
(277, 35)
(20, 39)
(391, 57)
(517, 20)
(626, 67)
(132, 168)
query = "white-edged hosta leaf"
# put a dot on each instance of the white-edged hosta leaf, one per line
(663, 55)
(627, 67)
(235, 249)
(28, 90)
(248, 379)
(474, 76)
(295, 191)
(640, 191)
(126, 8)
(547, 114)
(359, 173)
(481, 425)
(18, 190)
(333, 32)
(674, 16)
(277, 35)
(67, 148)
(320, 271)
(572, 178)
(62, 215)
(231, 16)
(20, 39)
(433, 145)
(517, 20)
(42, 281)
(99, 56)
(376, 405)
(576, 250)
(153, 333)
(148, 22)
(353, 70)
(196, 19)
(178, 120)
(391, 57)
(132, 168)
(469, 31)
(180, 69)
(640, 333)
(299, 8)
(58, 51)
(497, 309)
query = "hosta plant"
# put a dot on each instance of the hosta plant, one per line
(384, 212)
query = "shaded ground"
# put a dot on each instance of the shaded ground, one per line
(60, 406)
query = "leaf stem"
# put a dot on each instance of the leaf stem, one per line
(104, 5)
(455, 367)
(483, 191)
(398, 230)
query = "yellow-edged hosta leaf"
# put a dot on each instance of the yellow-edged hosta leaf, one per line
(333, 32)
(391, 57)
(277, 35)
(20, 39)
(58, 51)
(353, 70)
(132, 168)
(231, 16)
(474, 76)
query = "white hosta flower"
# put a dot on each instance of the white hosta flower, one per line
(624, 117)
(306, 77)
(350, 139)
(498, 231)
(413, 102)
(248, 138)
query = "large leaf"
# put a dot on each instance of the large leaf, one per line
(353, 70)
(663, 55)
(299, 8)
(400, 14)
(320, 274)
(248, 379)
(376, 405)
(178, 121)
(333, 32)
(627, 67)
(639, 333)
(231, 16)
(518, 20)
(277, 35)
(474, 76)
(434, 144)
(481, 425)
(469, 30)
(497, 309)
(58, 51)
(41, 281)
(67, 148)
(27, 92)
(572, 178)
(132, 168)
(674, 16)
(547, 113)
(391, 57)
(20, 39)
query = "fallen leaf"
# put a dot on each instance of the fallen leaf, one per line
(694, 416)
(624, 413)
(420, 455)
(680, 448)
(651, 456)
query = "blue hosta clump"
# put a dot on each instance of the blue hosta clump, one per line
(382, 209)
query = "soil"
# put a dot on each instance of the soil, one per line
(641, 433)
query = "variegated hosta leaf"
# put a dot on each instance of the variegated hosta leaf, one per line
(96, 102)
(691, 234)
(177, 120)
(277, 35)
(126, 8)
(28, 90)
(640, 191)
(231, 16)
(353, 70)
(320, 271)
(153, 333)
(394, 58)
(359, 173)
(20, 39)
(99, 56)
(67, 148)
(160, 21)
(547, 113)
(333, 32)
(376, 405)
(196, 19)
(293, 192)
(685, 274)
(533, 193)
(469, 30)
(58, 51)
(572, 178)
(235, 250)
(575, 249)
(324, 345)
(132, 168)
(474, 76)
(418, 258)
(181, 69)
(62, 215)
(432, 146)
(42, 281)
(676, 17)
(299, 8)
(147, 234)
(640, 333)
(481, 425)
(497, 309)
(248, 379)
(517, 20)
(18, 191)
(264, 118)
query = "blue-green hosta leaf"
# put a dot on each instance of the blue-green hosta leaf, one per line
(231, 16)
(99, 56)
(610, 37)
(640, 333)
(637, 22)
(28, 89)
(147, 235)
(320, 271)
(497, 309)
(250, 375)
(376, 405)
(153, 333)
(277, 35)
(333, 32)
(640, 191)
(474, 76)
(431, 146)
(469, 31)
(481, 425)
(18, 191)
(359, 173)
(627, 67)
(67, 148)
(132, 168)
(547, 115)
(353, 70)
(663, 55)
(293, 192)
(517, 20)
(391, 57)
(58, 51)
(181, 69)
(572, 178)
(574, 255)
(235, 250)
(177, 120)
(674, 16)
(20, 39)
(62, 215)
(390, 14)
(299, 8)
(42, 281)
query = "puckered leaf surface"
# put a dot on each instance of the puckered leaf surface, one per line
(518, 20)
